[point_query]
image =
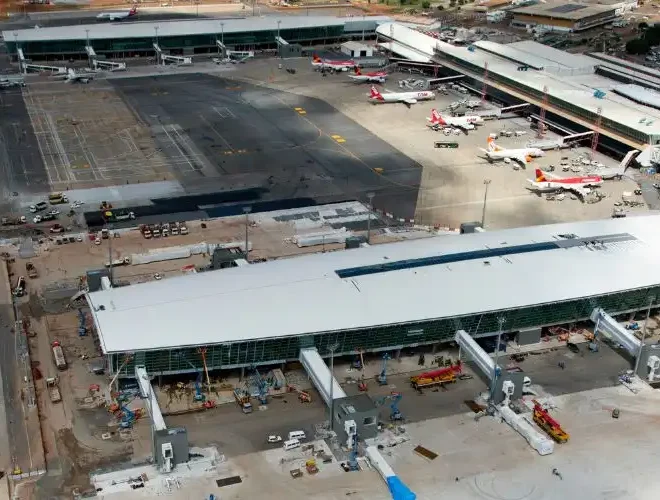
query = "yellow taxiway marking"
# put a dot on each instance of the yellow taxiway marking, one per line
(300, 111)
(338, 138)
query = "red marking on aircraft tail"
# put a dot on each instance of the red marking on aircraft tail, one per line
(539, 175)
(375, 94)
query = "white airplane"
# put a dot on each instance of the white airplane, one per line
(407, 98)
(546, 182)
(520, 155)
(439, 122)
(73, 77)
(374, 77)
(117, 16)
(332, 64)
(616, 172)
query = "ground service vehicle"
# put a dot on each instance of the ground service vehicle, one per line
(19, 291)
(118, 215)
(14, 220)
(243, 400)
(548, 424)
(53, 390)
(31, 270)
(57, 198)
(146, 231)
(436, 377)
(58, 356)
(42, 205)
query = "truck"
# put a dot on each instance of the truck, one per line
(31, 270)
(53, 389)
(548, 424)
(183, 229)
(118, 215)
(243, 400)
(146, 231)
(119, 262)
(58, 356)
(155, 230)
(14, 220)
(57, 198)
(436, 377)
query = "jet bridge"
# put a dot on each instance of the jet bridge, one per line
(165, 59)
(108, 65)
(648, 366)
(25, 66)
(507, 386)
(169, 446)
(319, 372)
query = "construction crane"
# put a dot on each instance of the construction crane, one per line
(128, 417)
(540, 130)
(262, 386)
(548, 424)
(484, 89)
(199, 396)
(432, 378)
(352, 459)
(594, 138)
(382, 377)
(393, 398)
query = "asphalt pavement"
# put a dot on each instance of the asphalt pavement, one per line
(239, 144)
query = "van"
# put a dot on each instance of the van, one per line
(297, 435)
(42, 205)
(291, 444)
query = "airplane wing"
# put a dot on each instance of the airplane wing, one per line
(409, 101)
(521, 159)
(580, 191)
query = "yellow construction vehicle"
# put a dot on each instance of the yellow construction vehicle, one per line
(549, 424)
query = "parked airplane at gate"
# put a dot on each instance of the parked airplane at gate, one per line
(549, 183)
(117, 16)
(374, 77)
(616, 172)
(74, 77)
(332, 64)
(407, 98)
(521, 155)
(439, 122)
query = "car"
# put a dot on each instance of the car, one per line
(573, 347)
(158, 277)
(37, 219)
(656, 185)
(75, 204)
(54, 212)
(274, 438)
(56, 228)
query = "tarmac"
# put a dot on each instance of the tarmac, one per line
(249, 144)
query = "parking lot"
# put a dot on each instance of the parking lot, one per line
(88, 137)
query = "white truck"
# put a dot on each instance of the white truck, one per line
(53, 389)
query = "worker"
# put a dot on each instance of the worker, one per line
(562, 365)
(556, 472)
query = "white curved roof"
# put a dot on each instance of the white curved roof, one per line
(411, 39)
(639, 94)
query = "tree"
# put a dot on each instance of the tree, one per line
(426, 4)
(461, 2)
(441, 7)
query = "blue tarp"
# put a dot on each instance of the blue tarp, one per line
(399, 490)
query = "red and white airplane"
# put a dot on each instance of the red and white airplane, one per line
(406, 98)
(117, 16)
(550, 183)
(523, 156)
(439, 122)
(375, 77)
(332, 64)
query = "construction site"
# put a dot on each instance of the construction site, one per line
(233, 275)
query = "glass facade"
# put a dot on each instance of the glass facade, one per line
(559, 103)
(177, 43)
(389, 337)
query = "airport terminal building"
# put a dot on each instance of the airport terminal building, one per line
(380, 298)
(123, 40)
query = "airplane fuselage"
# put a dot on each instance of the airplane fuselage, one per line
(402, 97)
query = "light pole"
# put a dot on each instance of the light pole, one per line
(332, 350)
(222, 33)
(483, 210)
(246, 211)
(20, 64)
(500, 322)
(158, 49)
(641, 344)
(370, 197)
(278, 28)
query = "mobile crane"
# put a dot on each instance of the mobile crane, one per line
(436, 377)
(548, 424)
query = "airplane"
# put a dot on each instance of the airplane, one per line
(375, 77)
(520, 155)
(546, 182)
(117, 16)
(616, 172)
(439, 122)
(406, 98)
(334, 65)
(73, 77)
(8, 82)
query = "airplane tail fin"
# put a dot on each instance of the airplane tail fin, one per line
(375, 94)
(358, 71)
(539, 175)
(491, 144)
(627, 160)
(316, 58)
(133, 11)
(436, 118)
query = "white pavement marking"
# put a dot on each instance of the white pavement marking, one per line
(476, 202)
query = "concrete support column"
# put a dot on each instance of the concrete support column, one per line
(242, 374)
(434, 349)
(398, 354)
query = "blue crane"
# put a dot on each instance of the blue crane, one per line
(127, 419)
(352, 459)
(199, 396)
(262, 386)
(382, 377)
(396, 414)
